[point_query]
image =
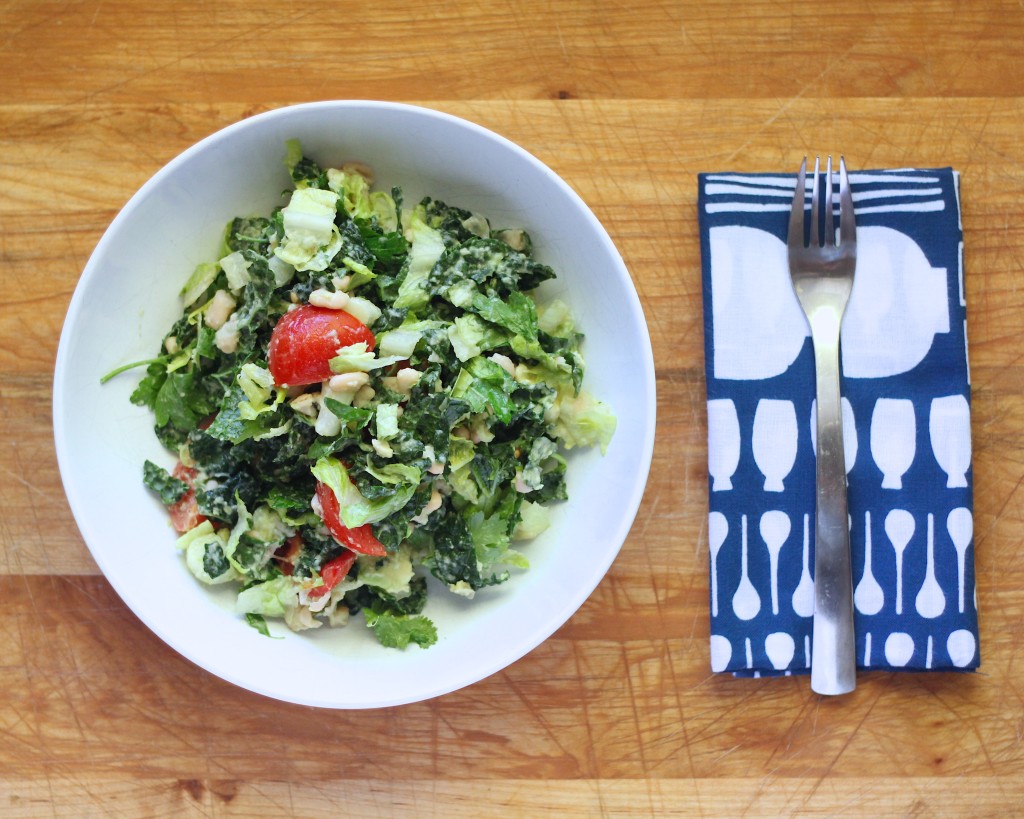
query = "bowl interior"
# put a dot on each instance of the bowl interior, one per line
(128, 296)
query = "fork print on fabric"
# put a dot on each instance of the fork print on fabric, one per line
(906, 413)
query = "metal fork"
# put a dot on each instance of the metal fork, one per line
(822, 273)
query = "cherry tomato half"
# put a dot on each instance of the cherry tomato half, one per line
(360, 539)
(304, 341)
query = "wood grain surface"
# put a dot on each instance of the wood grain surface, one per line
(617, 714)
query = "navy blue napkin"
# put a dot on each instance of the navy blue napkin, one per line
(906, 403)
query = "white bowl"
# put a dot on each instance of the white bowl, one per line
(128, 297)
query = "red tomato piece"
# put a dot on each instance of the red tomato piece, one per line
(360, 539)
(333, 572)
(185, 513)
(304, 341)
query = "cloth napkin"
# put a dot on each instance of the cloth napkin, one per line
(906, 404)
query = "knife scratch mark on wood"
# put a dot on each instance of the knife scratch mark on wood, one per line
(852, 732)
(591, 743)
(535, 711)
(830, 67)
(668, 660)
(561, 41)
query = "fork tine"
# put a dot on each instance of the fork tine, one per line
(796, 215)
(815, 204)
(830, 230)
(847, 222)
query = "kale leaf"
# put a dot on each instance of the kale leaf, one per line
(454, 558)
(169, 488)
(215, 562)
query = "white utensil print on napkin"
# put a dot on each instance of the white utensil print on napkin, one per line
(898, 304)
(758, 326)
(899, 649)
(718, 529)
(931, 600)
(774, 441)
(746, 602)
(723, 443)
(849, 432)
(721, 652)
(775, 528)
(803, 595)
(899, 527)
(949, 426)
(960, 525)
(780, 648)
(893, 439)
(961, 647)
(868, 597)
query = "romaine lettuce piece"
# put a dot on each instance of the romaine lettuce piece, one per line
(359, 358)
(311, 239)
(199, 282)
(272, 598)
(584, 421)
(391, 574)
(470, 336)
(426, 248)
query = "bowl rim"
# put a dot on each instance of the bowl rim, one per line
(630, 501)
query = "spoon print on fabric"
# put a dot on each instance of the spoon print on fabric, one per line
(899, 649)
(899, 527)
(961, 647)
(868, 597)
(960, 525)
(931, 600)
(803, 595)
(721, 652)
(780, 648)
(746, 602)
(775, 529)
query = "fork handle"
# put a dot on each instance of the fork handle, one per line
(833, 653)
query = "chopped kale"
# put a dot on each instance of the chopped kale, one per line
(169, 489)
(454, 559)
(215, 563)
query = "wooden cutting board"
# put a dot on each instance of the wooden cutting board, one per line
(618, 713)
